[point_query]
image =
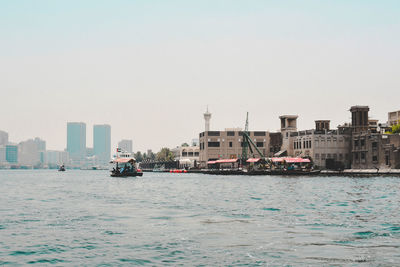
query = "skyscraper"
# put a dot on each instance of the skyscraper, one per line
(12, 153)
(3, 138)
(125, 145)
(76, 141)
(102, 143)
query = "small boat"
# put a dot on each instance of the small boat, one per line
(62, 168)
(159, 168)
(125, 166)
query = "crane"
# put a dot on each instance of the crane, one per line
(248, 143)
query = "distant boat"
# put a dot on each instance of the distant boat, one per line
(62, 168)
(159, 168)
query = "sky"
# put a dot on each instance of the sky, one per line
(150, 68)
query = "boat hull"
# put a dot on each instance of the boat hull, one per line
(130, 174)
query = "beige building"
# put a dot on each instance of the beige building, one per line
(227, 144)
(394, 118)
(321, 143)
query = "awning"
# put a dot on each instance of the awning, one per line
(226, 160)
(211, 162)
(253, 160)
(123, 160)
(297, 160)
(277, 159)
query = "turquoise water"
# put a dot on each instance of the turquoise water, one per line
(87, 218)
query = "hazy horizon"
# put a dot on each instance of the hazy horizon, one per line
(150, 68)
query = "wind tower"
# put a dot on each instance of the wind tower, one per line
(207, 118)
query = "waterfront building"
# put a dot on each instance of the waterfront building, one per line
(227, 144)
(125, 145)
(3, 138)
(394, 118)
(372, 148)
(12, 153)
(187, 156)
(76, 141)
(28, 152)
(102, 143)
(2, 154)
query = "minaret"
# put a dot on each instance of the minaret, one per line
(207, 117)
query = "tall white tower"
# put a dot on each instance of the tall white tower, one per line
(207, 117)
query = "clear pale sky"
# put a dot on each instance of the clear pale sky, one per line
(150, 68)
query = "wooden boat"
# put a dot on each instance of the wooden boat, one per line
(125, 165)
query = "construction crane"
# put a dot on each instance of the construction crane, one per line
(248, 143)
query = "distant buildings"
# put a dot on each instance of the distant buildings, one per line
(55, 158)
(12, 154)
(31, 152)
(3, 138)
(394, 118)
(102, 143)
(125, 145)
(76, 141)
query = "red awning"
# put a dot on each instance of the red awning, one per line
(253, 160)
(277, 159)
(211, 162)
(227, 160)
(297, 160)
(123, 160)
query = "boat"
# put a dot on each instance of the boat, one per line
(125, 165)
(159, 168)
(62, 168)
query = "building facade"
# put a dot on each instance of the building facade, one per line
(394, 118)
(102, 143)
(76, 141)
(12, 154)
(227, 144)
(188, 156)
(126, 145)
(3, 138)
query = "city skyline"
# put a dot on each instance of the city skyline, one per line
(166, 61)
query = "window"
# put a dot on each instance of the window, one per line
(230, 133)
(356, 156)
(340, 156)
(355, 143)
(329, 156)
(304, 144)
(363, 155)
(317, 156)
(309, 144)
(184, 154)
(190, 154)
(212, 133)
(374, 144)
(260, 144)
(362, 142)
(259, 133)
(196, 154)
(323, 156)
(375, 159)
(230, 144)
(213, 144)
(299, 145)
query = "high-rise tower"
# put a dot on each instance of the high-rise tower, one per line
(102, 143)
(76, 141)
(207, 118)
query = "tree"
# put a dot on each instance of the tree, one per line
(185, 145)
(165, 154)
(138, 156)
(396, 129)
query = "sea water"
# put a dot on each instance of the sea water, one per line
(88, 218)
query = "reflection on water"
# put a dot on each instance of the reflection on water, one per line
(88, 218)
